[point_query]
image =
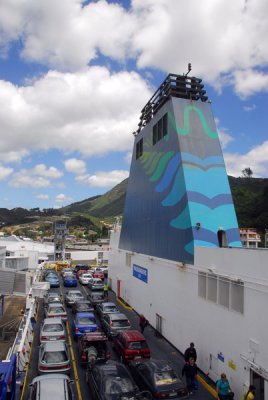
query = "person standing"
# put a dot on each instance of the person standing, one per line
(250, 393)
(143, 323)
(223, 388)
(190, 352)
(106, 290)
(190, 372)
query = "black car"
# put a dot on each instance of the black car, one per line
(159, 378)
(82, 306)
(111, 381)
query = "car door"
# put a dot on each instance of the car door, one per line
(106, 323)
(95, 379)
(142, 375)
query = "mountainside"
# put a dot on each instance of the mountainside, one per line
(250, 196)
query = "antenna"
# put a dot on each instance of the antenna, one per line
(189, 69)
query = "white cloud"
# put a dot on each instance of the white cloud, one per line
(250, 108)
(103, 178)
(74, 165)
(5, 172)
(256, 159)
(92, 112)
(61, 198)
(13, 156)
(38, 177)
(223, 40)
(42, 196)
(128, 157)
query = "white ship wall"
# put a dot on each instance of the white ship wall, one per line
(226, 340)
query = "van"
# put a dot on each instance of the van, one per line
(96, 296)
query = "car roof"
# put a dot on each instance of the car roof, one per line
(50, 377)
(133, 336)
(118, 316)
(107, 303)
(85, 314)
(56, 320)
(156, 365)
(54, 346)
(55, 305)
(112, 368)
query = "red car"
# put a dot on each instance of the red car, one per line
(131, 345)
(96, 339)
(98, 274)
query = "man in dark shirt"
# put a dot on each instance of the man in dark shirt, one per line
(190, 353)
(190, 372)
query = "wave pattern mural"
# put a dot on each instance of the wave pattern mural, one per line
(188, 181)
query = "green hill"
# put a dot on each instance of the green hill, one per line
(250, 196)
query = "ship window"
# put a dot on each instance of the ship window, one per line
(202, 284)
(212, 288)
(139, 149)
(68, 256)
(224, 292)
(160, 129)
(221, 290)
(237, 296)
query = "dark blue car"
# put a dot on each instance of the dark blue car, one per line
(70, 281)
(84, 322)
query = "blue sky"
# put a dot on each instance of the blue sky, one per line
(74, 76)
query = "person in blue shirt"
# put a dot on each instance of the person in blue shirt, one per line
(223, 388)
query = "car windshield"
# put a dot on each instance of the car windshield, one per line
(52, 328)
(75, 294)
(120, 323)
(137, 345)
(165, 377)
(54, 300)
(56, 310)
(109, 308)
(53, 357)
(118, 385)
(97, 296)
(83, 307)
(86, 321)
(86, 276)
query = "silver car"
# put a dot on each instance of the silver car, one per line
(95, 284)
(52, 329)
(115, 323)
(52, 297)
(106, 308)
(45, 387)
(85, 278)
(54, 357)
(72, 296)
(56, 310)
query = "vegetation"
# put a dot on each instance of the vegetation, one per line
(94, 215)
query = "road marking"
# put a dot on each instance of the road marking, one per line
(209, 388)
(123, 304)
(74, 363)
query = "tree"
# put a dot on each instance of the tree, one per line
(247, 172)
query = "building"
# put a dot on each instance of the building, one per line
(178, 257)
(250, 238)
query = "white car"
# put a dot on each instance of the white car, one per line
(52, 329)
(85, 278)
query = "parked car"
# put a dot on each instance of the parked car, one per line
(96, 297)
(70, 281)
(56, 310)
(159, 378)
(114, 323)
(52, 329)
(45, 386)
(82, 306)
(81, 272)
(67, 271)
(84, 322)
(131, 345)
(106, 308)
(110, 381)
(53, 280)
(72, 296)
(52, 297)
(95, 284)
(96, 339)
(54, 357)
(98, 274)
(84, 278)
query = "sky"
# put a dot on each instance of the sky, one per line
(74, 76)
